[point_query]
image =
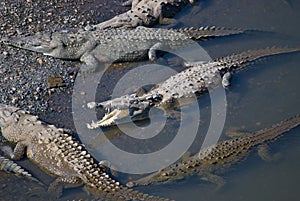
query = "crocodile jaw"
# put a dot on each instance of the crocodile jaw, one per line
(40, 42)
(7, 115)
(63, 44)
(120, 116)
(160, 177)
(110, 119)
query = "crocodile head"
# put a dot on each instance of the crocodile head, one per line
(164, 176)
(8, 115)
(115, 116)
(124, 109)
(118, 116)
(61, 44)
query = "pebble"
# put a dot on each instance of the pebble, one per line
(24, 75)
(40, 61)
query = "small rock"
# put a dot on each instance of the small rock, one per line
(55, 81)
(14, 100)
(39, 60)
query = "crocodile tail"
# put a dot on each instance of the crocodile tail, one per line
(203, 33)
(115, 191)
(10, 166)
(130, 194)
(95, 174)
(239, 60)
(276, 130)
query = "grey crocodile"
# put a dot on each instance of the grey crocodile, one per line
(145, 13)
(219, 157)
(114, 45)
(59, 154)
(196, 79)
(10, 166)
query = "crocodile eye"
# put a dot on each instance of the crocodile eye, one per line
(165, 174)
(72, 37)
(80, 37)
(6, 113)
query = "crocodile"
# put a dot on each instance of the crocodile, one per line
(219, 157)
(60, 154)
(197, 78)
(114, 45)
(145, 13)
(10, 166)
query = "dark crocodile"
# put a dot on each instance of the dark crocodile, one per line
(114, 45)
(219, 157)
(59, 154)
(145, 13)
(197, 78)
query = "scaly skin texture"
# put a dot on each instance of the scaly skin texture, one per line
(10, 166)
(145, 13)
(217, 158)
(197, 78)
(59, 154)
(114, 45)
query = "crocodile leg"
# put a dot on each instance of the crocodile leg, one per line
(57, 186)
(264, 153)
(152, 51)
(226, 80)
(17, 153)
(89, 63)
(158, 12)
(219, 181)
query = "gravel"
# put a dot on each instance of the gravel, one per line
(26, 78)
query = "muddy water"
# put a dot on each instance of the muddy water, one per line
(261, 95)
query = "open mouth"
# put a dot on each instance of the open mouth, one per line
(109, 119)
(121, 110)
(120, 116)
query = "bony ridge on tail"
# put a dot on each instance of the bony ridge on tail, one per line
(215, 158)
(61, 155)
(197, 78)
(96, 47)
